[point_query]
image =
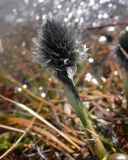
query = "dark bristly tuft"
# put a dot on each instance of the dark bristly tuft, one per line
(57, 47)
(122, 50)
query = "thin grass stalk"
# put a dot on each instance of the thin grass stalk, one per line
(96, 147)
(125, 81)
(24, 107)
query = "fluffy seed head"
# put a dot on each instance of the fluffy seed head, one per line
(122, 50)
(57, 47)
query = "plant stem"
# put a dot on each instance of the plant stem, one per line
(73, 98)
(126, 86)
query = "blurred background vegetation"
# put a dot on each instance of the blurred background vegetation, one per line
(53, 131)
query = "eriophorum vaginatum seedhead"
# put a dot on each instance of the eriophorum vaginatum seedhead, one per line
(122, 50)
(58, 47)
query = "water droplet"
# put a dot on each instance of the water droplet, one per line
(100, 16)
(72, 1)
(59, 6)
(116, 73)
(105, 15)
(19, 20)
(37, 17)
(104, 1)
(34, 4)
(79, 11)
(102, 39)
(14, 11)
(95, 81)
(25, 86)
(91, 60)
(67, 9)
(126, 28)
(76, 20)
(26, 1)
(44, 17)
(69, 15)
(65, 19)
(88, 77)
(40, 1)
(92, 2)
(103, 79)
(43, 94)
(82, 3)
(111, 28)
(110, 5)
(40, 88)
(107, 109)
(19, 89)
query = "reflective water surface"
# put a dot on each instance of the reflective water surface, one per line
(19, 21)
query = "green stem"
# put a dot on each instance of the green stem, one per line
(126, 87)
(97, 147)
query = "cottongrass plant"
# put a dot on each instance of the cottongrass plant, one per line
(122, 54)
(58, 47)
